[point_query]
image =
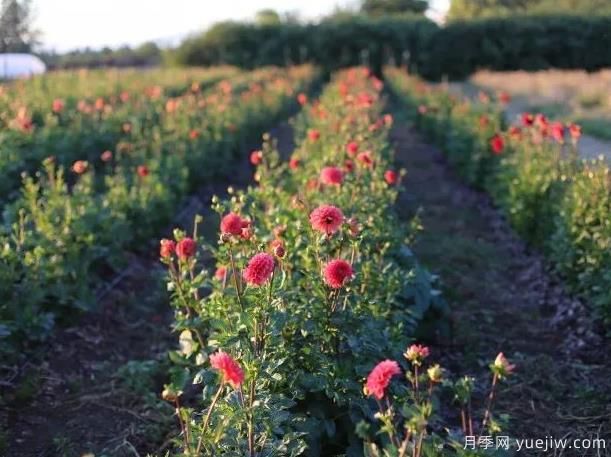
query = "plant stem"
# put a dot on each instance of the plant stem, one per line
(489, 405)
(207, 419)
(235, 278)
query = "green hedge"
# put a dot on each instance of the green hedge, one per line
(455, 51)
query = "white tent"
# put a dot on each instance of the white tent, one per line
(20, 66)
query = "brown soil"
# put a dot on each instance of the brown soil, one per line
(504, 298)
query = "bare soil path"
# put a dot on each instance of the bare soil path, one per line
(503, 298)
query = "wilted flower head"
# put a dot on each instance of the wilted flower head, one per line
(380, 377)
(416, 354)
(326, 219)
(186, 248)
(277, 248)
(259, 269)
(331, 176)
(230, 370)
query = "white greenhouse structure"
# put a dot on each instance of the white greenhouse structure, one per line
(20, 66)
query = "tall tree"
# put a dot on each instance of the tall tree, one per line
(16, 32)
(390, 7)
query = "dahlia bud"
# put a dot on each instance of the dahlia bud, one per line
(501, 366)
(169, 394)
(435, 373)
(416, 354)
(278, 248)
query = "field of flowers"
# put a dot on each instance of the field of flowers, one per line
(314, 291)
(297, 317)
(554, 199)
(103, 174)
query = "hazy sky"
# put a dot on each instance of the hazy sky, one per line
(69, 24)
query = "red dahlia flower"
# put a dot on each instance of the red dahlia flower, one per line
(230, 370)
(352, 148)
(390, 176)
(527, 119)
(220, 273)
(166, 248)
(497, 144)
(326, 219)
(233, 224)
(256, 157)
(331, 176)
(365, 159)
(380, 377)
(348, 165)
(58, 105)
(557, 131)
(142, 171)
(302, 99)
(259, 269)
(186, 248)
(575, 131)
(337, 272)
(80, 167)
(313, 135)
(294, 163)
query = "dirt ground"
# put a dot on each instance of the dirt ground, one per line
(504, 298)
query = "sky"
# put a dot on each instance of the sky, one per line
(71, 24)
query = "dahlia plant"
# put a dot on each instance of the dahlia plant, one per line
(555, 200)
(408, 420)
(72, 223)
(313, 281)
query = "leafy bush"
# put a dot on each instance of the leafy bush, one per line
(67, 231)
(556, 201)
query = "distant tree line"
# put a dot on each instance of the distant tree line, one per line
(147, 54)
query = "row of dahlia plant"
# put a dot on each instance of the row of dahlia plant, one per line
(70, 228)
(531, 167)
(39, 119)
(313, 283)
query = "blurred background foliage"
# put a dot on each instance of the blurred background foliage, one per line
(478, 34)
